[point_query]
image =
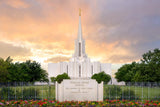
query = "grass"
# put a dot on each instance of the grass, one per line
(46, 91)
(144, 93)
(28, 92)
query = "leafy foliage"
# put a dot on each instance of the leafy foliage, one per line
(128, 95)
(4, 65)
(147, 70)
(30, 93)
(112, 92)
(125, 72)
(60, 77)
(29, 71)
(5, 92)
(27, 93)
(53, 79)
(102, 76)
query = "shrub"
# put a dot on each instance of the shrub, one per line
(129, 95)
(112, 92)
(60, 77)
(102, 76)
(53, 79)
(30, 93)
(7, 93)
(157, 97)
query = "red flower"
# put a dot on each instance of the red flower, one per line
(45, 99)
(154, 104)
(26, 102)
(15, 102)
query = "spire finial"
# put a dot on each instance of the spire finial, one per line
(79, 11)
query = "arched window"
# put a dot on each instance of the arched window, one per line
(79, 70)
(67, 69)
(79, 49)
(92, 70)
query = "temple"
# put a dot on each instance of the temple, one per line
(80, 65)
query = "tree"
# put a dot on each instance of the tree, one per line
(60, 77)
(102, 76)
(36, 72)
(29, 71)
(18, 72)
(4, 65)
(53, 79)
(148, 70)
(152, 59)
(125, 73)
(9, 60)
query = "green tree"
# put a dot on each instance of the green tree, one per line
(53, 79)
(102, 76)
(4, 65)
(147, 70)
(60, 77)
(18, 72)
(125, 73)
(35, 71)
(152, 59)
(29, 71)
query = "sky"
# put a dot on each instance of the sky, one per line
(115, 31)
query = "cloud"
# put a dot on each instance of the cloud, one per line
(124, 29)
(133, 25)
(57, 59)
(122, 58)
(13, 51)
(15, 3)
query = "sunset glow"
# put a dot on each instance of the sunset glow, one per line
(116, 31)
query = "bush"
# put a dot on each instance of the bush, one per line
(102, 76)
(112, 92)
(7, 93)
(60, 77)
(129, 95)
(12, 94)
(53, 79)
(156, 98)
(30, 93)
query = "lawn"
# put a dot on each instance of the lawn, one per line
(28, 92)
(126, 92)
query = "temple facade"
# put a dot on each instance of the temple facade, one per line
(80, 65)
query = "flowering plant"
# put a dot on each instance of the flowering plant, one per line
(51, 103)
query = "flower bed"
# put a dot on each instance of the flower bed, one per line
(52, 103)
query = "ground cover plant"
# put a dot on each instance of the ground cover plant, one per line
(53, 103)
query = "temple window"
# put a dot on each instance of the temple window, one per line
(79, 49)
(79, 70)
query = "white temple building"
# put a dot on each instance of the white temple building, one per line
(80, 65)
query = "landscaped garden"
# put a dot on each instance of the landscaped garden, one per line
(51, 103)
(29, 94)
(111, 92)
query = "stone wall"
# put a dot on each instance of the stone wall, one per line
(79, 90)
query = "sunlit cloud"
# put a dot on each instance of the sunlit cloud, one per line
(45, 30)
(8, 49)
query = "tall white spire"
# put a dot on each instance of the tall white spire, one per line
(79, 42)
(79, 27)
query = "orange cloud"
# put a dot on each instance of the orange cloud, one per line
(16, 3)
(48, 28)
